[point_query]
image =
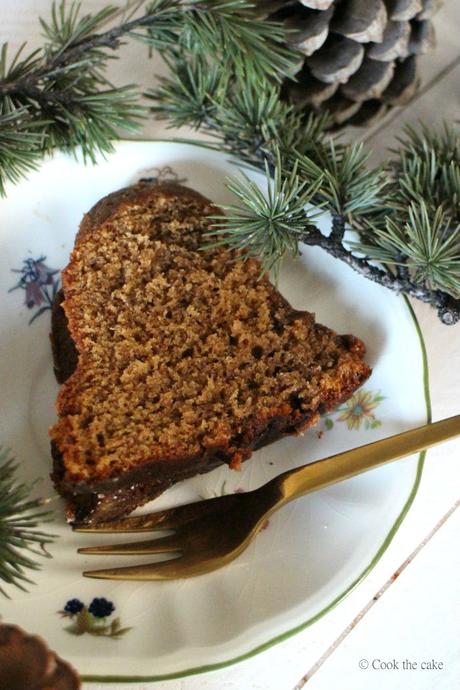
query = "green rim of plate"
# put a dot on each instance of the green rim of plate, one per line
(302, 626)
(383, 547)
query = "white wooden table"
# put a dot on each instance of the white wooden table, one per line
(408, 609)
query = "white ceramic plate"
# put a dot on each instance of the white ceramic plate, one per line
(311, 553)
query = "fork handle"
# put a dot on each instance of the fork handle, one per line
(336, 468)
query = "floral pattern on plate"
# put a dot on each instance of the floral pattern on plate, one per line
(92, 619)
(40, 284)
(162, 174)
(358, 411)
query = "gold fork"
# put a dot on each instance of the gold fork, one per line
(208, 534)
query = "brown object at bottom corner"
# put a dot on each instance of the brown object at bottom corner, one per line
(26, 663)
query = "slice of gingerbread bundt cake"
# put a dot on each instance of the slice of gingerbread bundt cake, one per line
(174, 360)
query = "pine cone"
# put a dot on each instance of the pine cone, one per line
(26, 663)
(360, 55)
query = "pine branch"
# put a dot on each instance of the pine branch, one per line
(21, 144)
(407, 212)
(73, 42)
(448, 308)
(20, 538)
(226, 27)
(267, 226)
(415, 230)
(245, 114)
(427, 245)
(61, 91)
(350, 189)
(188, 98)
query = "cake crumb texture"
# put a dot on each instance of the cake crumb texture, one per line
(182, 352)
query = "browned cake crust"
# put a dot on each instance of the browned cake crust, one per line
(174, 360)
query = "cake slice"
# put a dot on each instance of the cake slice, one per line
(173, 359)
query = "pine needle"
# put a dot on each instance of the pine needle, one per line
(267, 226)
(21, 538)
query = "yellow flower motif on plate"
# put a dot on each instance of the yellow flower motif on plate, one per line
(359, 410)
